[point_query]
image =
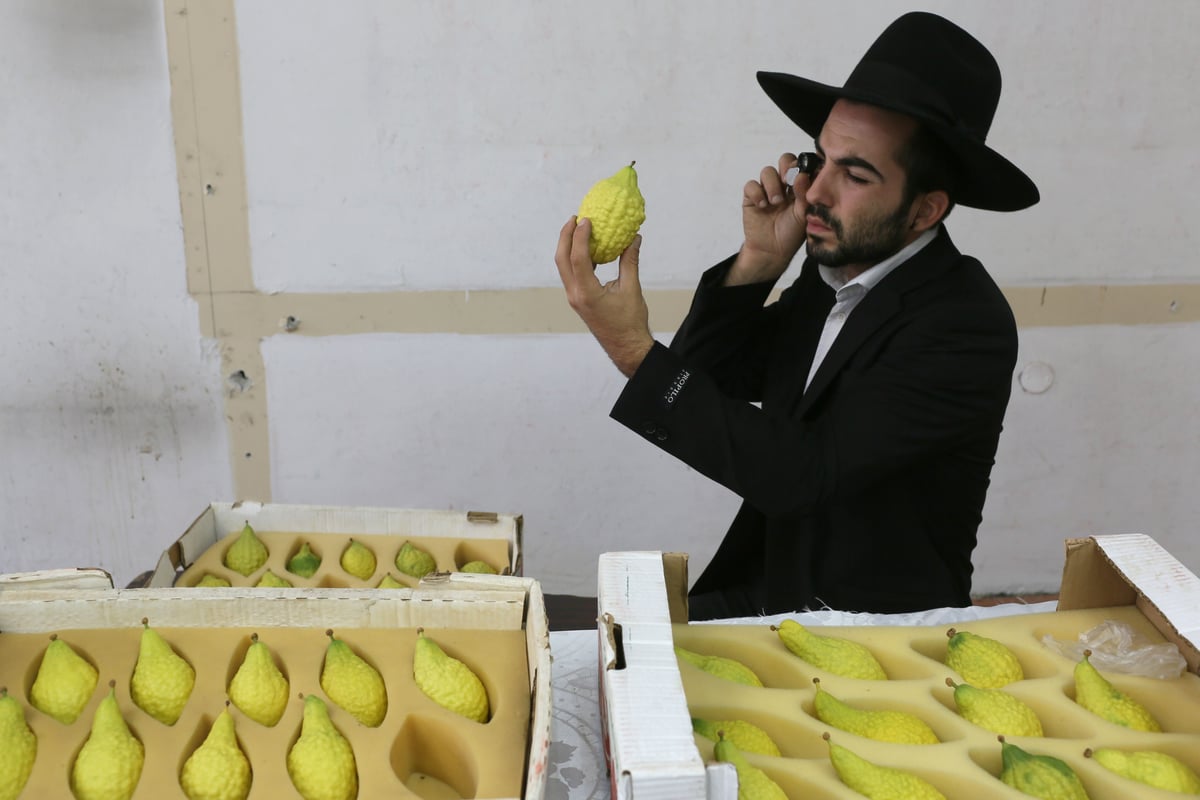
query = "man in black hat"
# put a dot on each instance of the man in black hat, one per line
(882, 373)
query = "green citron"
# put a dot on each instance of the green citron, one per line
(995, 710)
(753, 783)
(210, 580)
(982, 661)
(304, 563)
(162, 680)
(217, 769)
(18, 747)
(110, 763)
(1041, 776)
(480, 567)
(830, 653)
(447, 681)
(617, 210)
(353, 684)
(899, 727)
(728, 669)
(246, 554)
(358, 560)
(1095, 693)
(321, 762)
(258, 688)
(746, 736)
(877, 781)
(388, 582)
(270, 580)
(1149, 767)
(414, 562)
(64, 683)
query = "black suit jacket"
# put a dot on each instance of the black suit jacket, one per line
(864, 492)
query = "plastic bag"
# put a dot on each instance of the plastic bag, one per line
(1115, 648)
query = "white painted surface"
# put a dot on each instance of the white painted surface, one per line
(442, 145)
(111, 430)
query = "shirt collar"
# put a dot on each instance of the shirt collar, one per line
(870, 277)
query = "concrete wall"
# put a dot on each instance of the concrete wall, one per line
(182, 178)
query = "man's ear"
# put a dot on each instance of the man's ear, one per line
(928, 210)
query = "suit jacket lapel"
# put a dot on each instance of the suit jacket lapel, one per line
(879, 305)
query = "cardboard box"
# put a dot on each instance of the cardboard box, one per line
(454, 608)
(653, 753)
(385, 529)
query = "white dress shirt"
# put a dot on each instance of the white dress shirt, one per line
(848, 294)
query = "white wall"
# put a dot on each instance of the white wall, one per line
(440, 146)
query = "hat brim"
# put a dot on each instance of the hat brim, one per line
(988, 180)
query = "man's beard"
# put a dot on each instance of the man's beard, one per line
(868, 243)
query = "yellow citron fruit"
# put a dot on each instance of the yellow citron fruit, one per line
(353, 684)
(830, 653)
(883, 725)
(358, 560)
(212, 580)
(217, 769)
(388, 582)
(270, 580)
(321, 762)
(247, 553)
(258, 688)
(1151, 768)
(18, 747)
(982, 661)
(1041, 776)
(1094, 692)
(753, 783)
(617, 209)
(305, 562)
(64, 683)
(877, 781)
(110, 762)
(728, 669)
(447, 681)
(480, 567)
(995, 710)
(414, 562)
(162, 680)
(746, 736)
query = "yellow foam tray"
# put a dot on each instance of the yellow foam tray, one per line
(452, 537)
(495, 624)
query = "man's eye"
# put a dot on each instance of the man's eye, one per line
(856, 178)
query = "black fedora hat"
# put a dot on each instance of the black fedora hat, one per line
(929, 68)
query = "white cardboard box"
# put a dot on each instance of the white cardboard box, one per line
(219, 520)
(648, 736)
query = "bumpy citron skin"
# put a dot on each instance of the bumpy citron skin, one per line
(899, 727)
(353, 684)
(217, 769)
(270, 580)
(162, 680)
(213, 581)
(479, 568)
(1095, 693)
(258, 688)
(1149, 767)
(305, 563)
(753, 783)
(617, 210)
(247, 553)
(109, 764)
(388, 582)
(447, 681)
(358, 560)
(64, 683)
(995, 710)
(414, 561)
(1041, 776)
(18, 747)
(746, 736)
(982, 661)
(321, 763)
(722, 667)
(830, 653)
(876, 781)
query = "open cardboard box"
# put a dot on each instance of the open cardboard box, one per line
(649, 743)
(485, 619)
(452, 536)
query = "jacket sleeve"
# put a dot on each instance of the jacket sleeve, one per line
(939, 378)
